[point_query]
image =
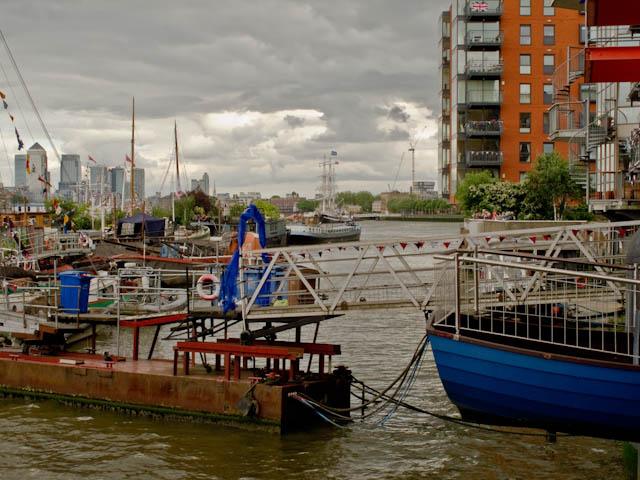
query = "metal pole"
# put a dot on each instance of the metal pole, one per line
(636, 317)
(457, 292)
(117, 292)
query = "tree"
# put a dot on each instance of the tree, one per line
(184, 209)
(236, 210)
(161, 212)
(550, 183)
(306, 205)
(469, 203)
(267, 209)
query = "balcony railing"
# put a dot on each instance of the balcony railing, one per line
(483, 128)
(483, 9)
(484, 68)
(566, 120)
(484, 158)
(481, 38)
(484, 98)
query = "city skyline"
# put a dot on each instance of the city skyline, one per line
(283, 85)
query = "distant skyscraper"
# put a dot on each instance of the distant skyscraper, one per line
(202, 184)
(20, 169)
(38, 170)
(138, 184)
(69, 175)
(99, 174)
(117, 177)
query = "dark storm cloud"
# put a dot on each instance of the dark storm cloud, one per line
(349, 61)
(294, 121)
(399, 114)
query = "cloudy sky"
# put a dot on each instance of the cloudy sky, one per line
(260, 90)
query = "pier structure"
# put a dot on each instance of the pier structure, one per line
(295, 289)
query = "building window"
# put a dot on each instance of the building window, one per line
(582, 34)
(525, 122)
(548, 10)
(525, 34)
(549, 35)
(588, 91)
(548, 64)
(546, 122)
(525, 64)
(525, 93)
(547, 94)
(525, 152)
(547, 148)
(525, 7)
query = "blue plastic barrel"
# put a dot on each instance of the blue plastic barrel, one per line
(74, 291)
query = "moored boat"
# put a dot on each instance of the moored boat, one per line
(549, 348)
(323, 233)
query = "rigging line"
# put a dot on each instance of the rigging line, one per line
(6, 152)
(465, 423)
(166, 173)
(24, 86)
(15, 98)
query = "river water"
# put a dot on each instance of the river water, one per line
(45, 439)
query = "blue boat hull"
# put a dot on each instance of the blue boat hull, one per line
(491, 383)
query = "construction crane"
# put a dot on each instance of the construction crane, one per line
(412, 148)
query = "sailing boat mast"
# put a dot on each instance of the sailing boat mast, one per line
(133, 160)
(175, 131)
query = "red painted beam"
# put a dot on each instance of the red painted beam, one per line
(178, 317)
(313, 348)
(613, 12)
(612, 64)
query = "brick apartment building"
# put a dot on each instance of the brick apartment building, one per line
(498, 63)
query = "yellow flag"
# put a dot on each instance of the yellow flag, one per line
(28, 168)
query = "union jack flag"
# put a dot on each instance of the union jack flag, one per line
(479, 7)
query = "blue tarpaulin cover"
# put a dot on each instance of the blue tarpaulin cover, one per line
(153, 226)
(229, 281)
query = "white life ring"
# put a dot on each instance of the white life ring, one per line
(201, 289)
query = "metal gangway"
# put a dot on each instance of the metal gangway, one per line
(304, 285)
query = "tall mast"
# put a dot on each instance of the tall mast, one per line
(175, 135)
(133, 160)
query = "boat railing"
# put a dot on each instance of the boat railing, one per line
(572, 303)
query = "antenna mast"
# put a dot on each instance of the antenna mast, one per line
(133, 161)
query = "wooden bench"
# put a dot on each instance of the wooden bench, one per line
(321, 349)
(236, 350)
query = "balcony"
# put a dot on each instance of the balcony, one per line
(445, 92)
(484, 69)
(445, 143)
(483, 128)
(482, 98)
(486, 158)
(482, 10)
(484, 39)
(567, 121)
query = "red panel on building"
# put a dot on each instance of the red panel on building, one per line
(612, 64)
(613, 12)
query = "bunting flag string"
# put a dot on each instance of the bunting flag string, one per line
(6, 107)
(419, 244)
(91, 158)
(546, 237)
(403, 245)
(446, 244)
(533, 239)
(381, 248)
